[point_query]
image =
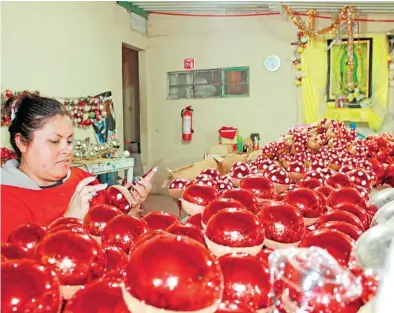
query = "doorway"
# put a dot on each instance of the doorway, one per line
(131, 105)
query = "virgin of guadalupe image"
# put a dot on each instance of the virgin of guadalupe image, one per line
(343, 69)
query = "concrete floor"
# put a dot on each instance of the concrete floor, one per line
(160, 203)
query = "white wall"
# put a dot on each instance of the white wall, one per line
(66, 49)
(219, 42)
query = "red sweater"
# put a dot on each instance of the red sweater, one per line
(20, 206)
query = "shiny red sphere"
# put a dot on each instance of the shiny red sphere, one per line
(160, 220)
(29, 287)
(336, 243)
(346, 228)
(310, 182)
(119, 196)
(217, 205)
(173, 273)
(113, 257)
(346, 195)
(339, 180)
(246, 198)
(246, 280)
(355, 210)
(235, 228)
(98, 216)
(360, 178)
(146, 237)
(123, 230)
(282, 223)
(75, 258)
(195, 220)
(187, 230)
(260, 186)
(306, 201)
(71, 227)
(27, 236)
(313, 175)
(11, 251)
(325, 190)
(200, 195)
(65, 220)
(104, 296)
(341, 216)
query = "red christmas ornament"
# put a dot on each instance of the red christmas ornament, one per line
(187, 230)
(283, 225)
(247, 233)
(98, 217)
(27, 236)
(123, 230)
(196, 197)
(246, 280)
(243, 196)
(29, 287)
(173, 273)
(160, 220)
(76, 258)
(104, 296)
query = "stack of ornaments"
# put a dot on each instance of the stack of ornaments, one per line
(310, 189)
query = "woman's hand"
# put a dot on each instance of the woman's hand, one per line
(79, 203)
(141, 188)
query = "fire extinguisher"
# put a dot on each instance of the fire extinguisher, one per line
(187, 123)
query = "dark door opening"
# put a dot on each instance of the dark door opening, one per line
(131, 105)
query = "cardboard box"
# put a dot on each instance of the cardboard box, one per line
(222, 164)
(190, 171)
(221, 149)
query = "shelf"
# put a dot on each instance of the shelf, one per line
(366, 115)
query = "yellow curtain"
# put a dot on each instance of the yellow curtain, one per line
(314, 62)
(314, 65)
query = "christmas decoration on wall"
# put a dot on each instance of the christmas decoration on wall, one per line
(350, 48)
(85, 111)
(301, 44)
(300, 24)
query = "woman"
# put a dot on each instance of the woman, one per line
(40, 186)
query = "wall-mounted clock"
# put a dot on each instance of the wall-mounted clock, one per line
(272, 63)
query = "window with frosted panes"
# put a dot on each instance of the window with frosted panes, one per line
(212, 83)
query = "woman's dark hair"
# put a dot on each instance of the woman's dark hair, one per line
(31, 114)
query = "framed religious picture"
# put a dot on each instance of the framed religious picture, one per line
(390, 39)
(337, 72)
(105, 129)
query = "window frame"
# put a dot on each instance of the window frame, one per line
(222, 85)
(235, 69)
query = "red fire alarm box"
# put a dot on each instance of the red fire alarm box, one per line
(188, 64)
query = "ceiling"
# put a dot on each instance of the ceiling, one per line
(256, 7)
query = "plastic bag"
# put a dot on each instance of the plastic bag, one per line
(310, 280)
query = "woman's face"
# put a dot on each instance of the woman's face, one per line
(49, 154)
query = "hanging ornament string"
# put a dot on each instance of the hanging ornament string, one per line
(301, 44)
(85, 111)
(350, 48)
(313, 33)
(312, 20)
